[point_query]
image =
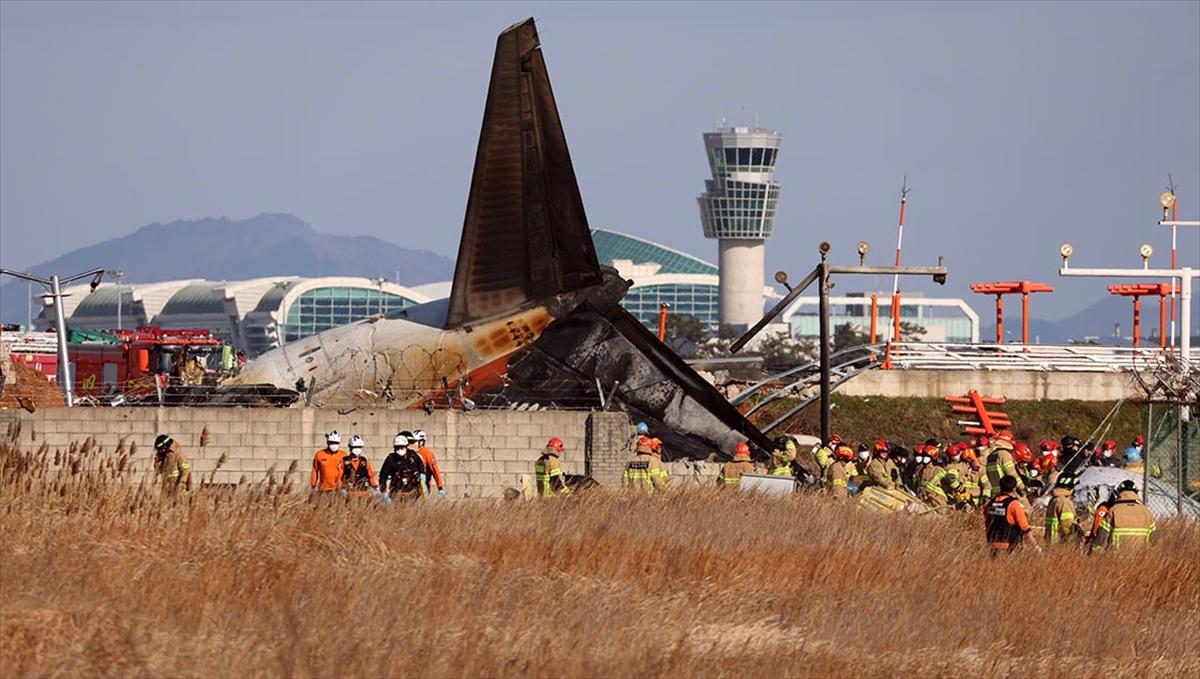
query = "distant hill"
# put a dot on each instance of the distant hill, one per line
(225, 249)
(1097, 320)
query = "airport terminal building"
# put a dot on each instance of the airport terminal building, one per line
(255, 315)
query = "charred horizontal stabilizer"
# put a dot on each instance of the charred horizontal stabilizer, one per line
(525, 235)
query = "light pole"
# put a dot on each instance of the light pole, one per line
(823, 271)
(53, 285)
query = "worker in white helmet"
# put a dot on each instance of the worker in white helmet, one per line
(326, 476)
(434, 477)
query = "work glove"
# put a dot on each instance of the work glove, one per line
(387, 499)
(442, 492)
(344, 493)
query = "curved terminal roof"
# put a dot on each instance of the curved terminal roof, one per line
(196, 299)
(611, 246)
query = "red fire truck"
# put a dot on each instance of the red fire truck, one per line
(131, 362)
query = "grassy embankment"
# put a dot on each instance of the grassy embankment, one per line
(912, 420)
(100, 578)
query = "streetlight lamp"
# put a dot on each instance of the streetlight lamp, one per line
(53, 285)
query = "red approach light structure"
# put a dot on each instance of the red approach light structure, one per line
(1137, 291)
(987, 421)
(999, 289)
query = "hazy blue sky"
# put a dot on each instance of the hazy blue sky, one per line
(1019, 125)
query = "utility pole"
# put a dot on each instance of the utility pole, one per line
(822, 272)
(53, 285)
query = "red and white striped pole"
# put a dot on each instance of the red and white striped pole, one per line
(895, 310)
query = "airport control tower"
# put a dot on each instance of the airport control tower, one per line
(738, 209)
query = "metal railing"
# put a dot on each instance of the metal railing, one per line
(1039, 357)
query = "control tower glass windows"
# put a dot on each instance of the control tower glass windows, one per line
(754, 159)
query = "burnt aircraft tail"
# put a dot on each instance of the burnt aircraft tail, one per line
(525, 235)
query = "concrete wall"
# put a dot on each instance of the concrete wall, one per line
(481, 452)
(1012, 384)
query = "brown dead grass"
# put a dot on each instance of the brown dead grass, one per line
(100, 578)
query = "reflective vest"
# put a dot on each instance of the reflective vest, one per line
(999, 530)
(1127, 521)
(549, 474)
(1060, 516)
(781, 471)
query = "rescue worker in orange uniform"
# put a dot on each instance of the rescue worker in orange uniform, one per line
(173, 467)
(358, 478)
(548, 473)
(1005, 522)
(836, 477)
(645, 471)
(1127, 526)
(326, 476)
(881, 471)
(731, 472)
(434, 478)
(1060, 513)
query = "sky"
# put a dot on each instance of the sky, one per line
(1019, 125)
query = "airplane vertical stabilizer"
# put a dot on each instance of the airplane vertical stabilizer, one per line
(525, 235)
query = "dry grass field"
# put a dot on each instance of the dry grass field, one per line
(100, 578)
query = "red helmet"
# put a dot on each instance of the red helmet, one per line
(844, 453)
(1047, 463)
(1139, 440)
(1049, 447)
(656, 444)
(834, 440)
(881, 446)
(741, 450)
(1110, 445)
(645, 442)
(932, 451)
(982, 442)
(556, 443)
(1021, 453)
(1005, 435)
(970, 458)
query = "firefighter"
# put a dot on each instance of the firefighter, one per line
(930, 466)
(326, 476)
(435, 478)
(836, 478)
(969, 489)
(999, 464)
(825, 454)
(548, 471)
(645, 471)
(782, 457)
(945, 489)
(1060, 513)
(358, 478)
(1105, 455)
(1128, 525)
(402, 476)
(1004, 519)
(731, 472)
(1049, 464)
(1071, 454)
(1026, 470)
(173, 467)
(973, 481)
(881, 471)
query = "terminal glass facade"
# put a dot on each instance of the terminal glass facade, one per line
(320, 309)
(697, 300)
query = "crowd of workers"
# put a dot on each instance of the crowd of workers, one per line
(1000, 476)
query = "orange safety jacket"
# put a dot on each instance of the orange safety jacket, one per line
(435, 472)
(1005, 522)
(326, 470)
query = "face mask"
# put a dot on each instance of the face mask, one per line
(398, 449)
(863, 456)
(1108, 453)
(333, 447)
(356, 451)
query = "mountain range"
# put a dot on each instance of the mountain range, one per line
(217, 249)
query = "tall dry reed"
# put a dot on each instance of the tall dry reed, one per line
(99, 577)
